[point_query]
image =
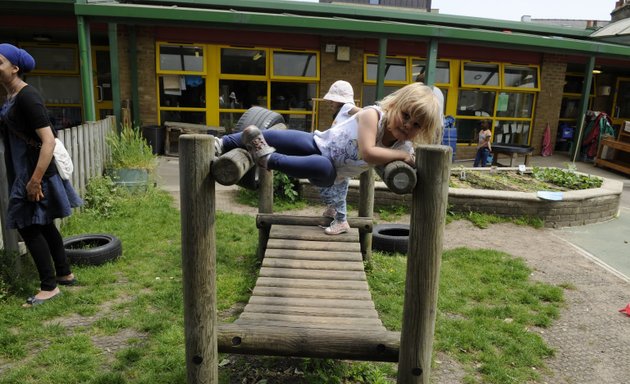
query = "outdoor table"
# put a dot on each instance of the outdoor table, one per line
(511, 150)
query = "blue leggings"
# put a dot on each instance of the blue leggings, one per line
(296, 155)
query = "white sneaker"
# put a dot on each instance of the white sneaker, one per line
(330, 212)
(337, 228)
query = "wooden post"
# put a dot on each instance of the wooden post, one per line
(197, 201)
(366, 209)
(265, 205)
(428, 215)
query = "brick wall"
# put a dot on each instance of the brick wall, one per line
(145, 52)
(549, 99)
(333, 70)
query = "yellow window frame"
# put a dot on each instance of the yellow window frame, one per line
(479, 86)
(273, 76)
(412, 78)
(505, 66)
(368, 81)
(580, 75)
(235, 76)
(161, 71)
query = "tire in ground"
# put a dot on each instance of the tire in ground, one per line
(391, 238)
(92, 248)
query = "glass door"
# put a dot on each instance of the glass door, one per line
(102, 82)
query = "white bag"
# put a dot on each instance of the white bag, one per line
(63, 161)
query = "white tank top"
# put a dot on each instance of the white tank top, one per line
(340, 144)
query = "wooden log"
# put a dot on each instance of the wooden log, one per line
(266, 220)
(337, 344)
(313, 233)
(311, 283)
(230, 167)
(317, 293)
(292, 273)
(312, 311)
(311, 264)
(428, 217)
(399, 177)
(312, 255)
(335, 246)
(197, 202)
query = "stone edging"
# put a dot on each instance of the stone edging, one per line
(580, 207)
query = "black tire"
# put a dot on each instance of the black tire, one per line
(260, 117)
(263, 119)
(392, 238)
(92, 248)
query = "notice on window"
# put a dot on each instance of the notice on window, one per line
(502, 103)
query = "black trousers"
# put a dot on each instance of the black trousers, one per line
(45, 244)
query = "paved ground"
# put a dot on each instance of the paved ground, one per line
(591, 338)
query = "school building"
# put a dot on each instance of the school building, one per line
(206, 62)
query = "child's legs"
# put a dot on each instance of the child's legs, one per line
(335, 196)
(318, 169)
(478, 158)
(38, 248)
(285, 141)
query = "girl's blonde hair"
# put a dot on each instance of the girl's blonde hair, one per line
(423, 105)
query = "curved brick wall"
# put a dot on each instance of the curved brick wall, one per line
(577, 207)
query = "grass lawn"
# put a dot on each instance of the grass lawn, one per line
(124, 323)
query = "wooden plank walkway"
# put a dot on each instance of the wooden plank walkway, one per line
(311, 280)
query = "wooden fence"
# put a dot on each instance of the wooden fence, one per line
(89, 152)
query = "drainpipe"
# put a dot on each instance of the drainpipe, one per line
(586, 91)
(85, 67)
(112, 29)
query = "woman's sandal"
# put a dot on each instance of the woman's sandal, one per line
(34, 301)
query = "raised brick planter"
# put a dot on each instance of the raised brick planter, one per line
(581, 207)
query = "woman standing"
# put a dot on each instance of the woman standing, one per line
(37, 194)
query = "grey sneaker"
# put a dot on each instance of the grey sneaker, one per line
(330, 212)
(255, 143)
(337, 227)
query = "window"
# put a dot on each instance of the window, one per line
(442, 70)
(244, 61)
(187, 58)
(515, 104)
(520, 77)
(295, 64)
(54, 59)
(395, 69)
(480, 75)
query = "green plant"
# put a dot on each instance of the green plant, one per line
(284, 187)
(100, 196)
(128, 149)
(567, 178)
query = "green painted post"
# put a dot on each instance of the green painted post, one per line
(586, 91)
(85, 67)
(115, 68)
(432, 52)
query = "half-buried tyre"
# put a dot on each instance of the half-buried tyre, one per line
(392, 238)
(263, 119)
(92, 248)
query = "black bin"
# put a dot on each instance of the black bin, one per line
(154, 135)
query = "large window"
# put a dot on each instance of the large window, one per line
(503, 93)
(215, 85)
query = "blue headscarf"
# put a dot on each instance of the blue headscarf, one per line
(18, 56)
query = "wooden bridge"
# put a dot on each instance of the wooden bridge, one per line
(311, 298)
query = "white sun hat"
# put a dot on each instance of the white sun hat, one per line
(341, 92)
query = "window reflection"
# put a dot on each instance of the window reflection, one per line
(287, 96)
(475, 103)
(242, 94)
(442, 71)
(481, 74)
(512, 132)
(520, 77)
(186, 91)
(295, 64)
(181, 58)
(243, 61)
(515, 104)
(395, 68)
